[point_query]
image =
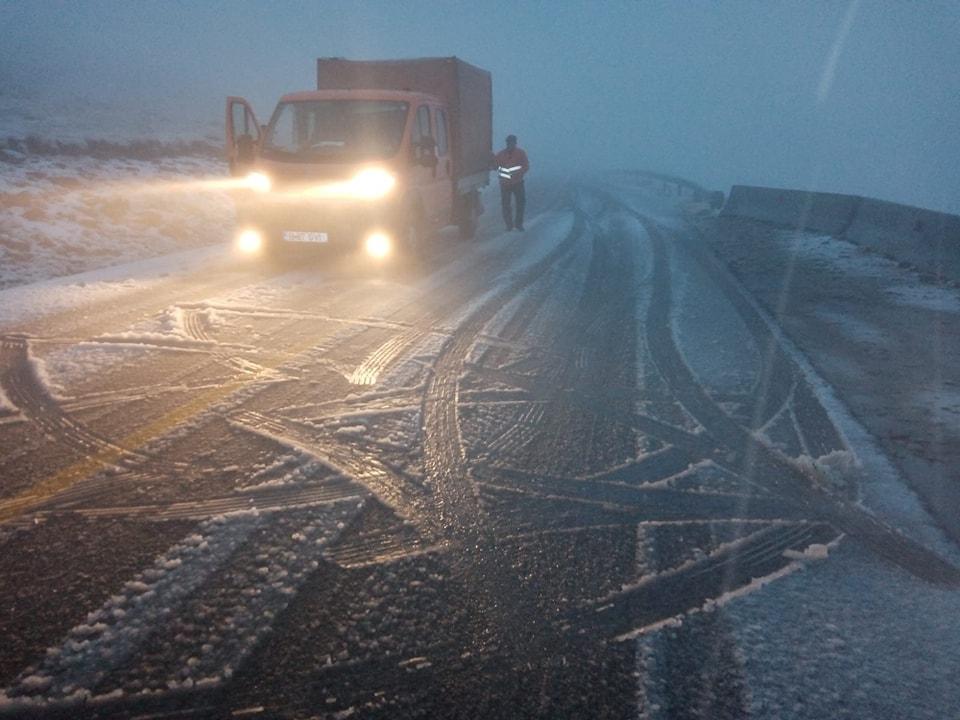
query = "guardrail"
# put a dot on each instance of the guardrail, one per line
(672, 186)
(924, 239)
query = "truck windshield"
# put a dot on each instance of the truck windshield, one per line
(336, 130)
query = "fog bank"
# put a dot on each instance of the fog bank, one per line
(856, 97)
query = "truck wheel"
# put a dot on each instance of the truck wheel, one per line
(467, 216)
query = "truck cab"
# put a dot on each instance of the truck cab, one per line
(346, 167)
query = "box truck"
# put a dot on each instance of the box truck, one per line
(380, 156)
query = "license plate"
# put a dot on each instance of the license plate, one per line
(305, 237)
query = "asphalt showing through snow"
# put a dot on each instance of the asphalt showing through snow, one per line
(474, 491)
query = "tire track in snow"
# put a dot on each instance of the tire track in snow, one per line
(665, 597)
(266, 500)
(189, 621)
(410, 500)
(24, 387)
(195, 325)
(520, 625)
(49, 685)
(377, 362)
(94, 460)
(458, 291)
(90, 465)
(763, 464)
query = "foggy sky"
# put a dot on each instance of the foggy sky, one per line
(858, 97)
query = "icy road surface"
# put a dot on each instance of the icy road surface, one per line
(571, 473)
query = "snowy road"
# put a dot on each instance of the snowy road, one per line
(573, 473)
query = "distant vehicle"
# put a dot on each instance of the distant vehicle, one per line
(380, 155)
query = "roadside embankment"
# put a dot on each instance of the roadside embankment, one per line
(65, 214)
(926, 240)
(883, 335)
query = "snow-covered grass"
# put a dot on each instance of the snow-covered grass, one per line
(86, 184)
(63, 214)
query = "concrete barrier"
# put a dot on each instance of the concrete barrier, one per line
(668, 184)
(924, 239)
(822, 212)
(927, 240)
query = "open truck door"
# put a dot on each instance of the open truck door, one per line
(244, 135)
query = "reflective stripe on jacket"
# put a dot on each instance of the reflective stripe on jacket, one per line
(512, 165)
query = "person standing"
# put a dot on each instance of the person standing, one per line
(512, 166)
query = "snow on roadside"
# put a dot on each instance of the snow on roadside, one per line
(57, 294)
(883, 490)
(61, 215)
(836, 252)
(903, 285)
(840, 471)
(852, 638)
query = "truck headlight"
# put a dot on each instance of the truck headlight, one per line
(378, 245)
(249, 241)
(258, 182)
(372, 183)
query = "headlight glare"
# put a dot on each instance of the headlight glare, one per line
(258, 182)
(249, 241)
(372, 183)
(378, 245)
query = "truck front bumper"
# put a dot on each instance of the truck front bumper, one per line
(341, 225)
